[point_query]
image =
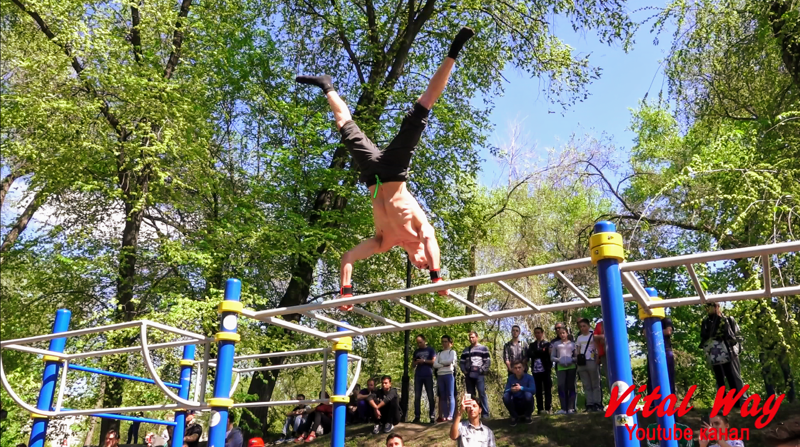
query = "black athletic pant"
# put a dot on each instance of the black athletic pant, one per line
(733, 373)
(390, 413)
(544, 390)
(391, 164)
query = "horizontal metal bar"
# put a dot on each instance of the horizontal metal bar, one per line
(119, 375)
(281, 403)
(731, 296)
(75, 333)
(468, 303)
(270, 354)
(38, 351)
(286, 366)
(319, 317)
(174, 330)
(170, 344)
(425, 312)
(427, 288)
(376, 317)
(120, 417)
(722, 255)
(286, 324)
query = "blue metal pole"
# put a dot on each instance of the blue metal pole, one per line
(657, 362)
(340, 399)
(226, 339)
(606, 252)
(186, 380)
(49, 379)
(120, 375)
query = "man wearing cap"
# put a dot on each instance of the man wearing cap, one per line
(191, 436)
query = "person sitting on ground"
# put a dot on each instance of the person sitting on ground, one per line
(385, 405)
(562, 353)
(541, 366)
(471, 433)
(518, 395)
(318, 422)
(294, 419)
(399, 220)
(358, 409)
(719, 424)
(233, 436)
(445, 379)
(424, 357)
(193, 431)
(394, 440)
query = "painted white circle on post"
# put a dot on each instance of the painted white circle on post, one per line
(215, 417)
(622, 387)
(229, 322)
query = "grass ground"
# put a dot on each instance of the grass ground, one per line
(578, 430)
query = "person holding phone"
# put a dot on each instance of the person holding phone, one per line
(719, 424)
(518, 395)
(471, 433)
(562, 353)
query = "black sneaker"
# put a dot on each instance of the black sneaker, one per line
(513, 422)
(529, 420)
(415, 421)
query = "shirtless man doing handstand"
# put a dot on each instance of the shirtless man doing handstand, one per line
(399, 220)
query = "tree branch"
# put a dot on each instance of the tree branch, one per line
(177, 40)
(7, 181)
(22, 221)
(136, 36)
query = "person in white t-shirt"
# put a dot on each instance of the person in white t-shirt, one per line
(588, 368)
(445, 379)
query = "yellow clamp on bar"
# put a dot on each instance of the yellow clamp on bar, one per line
(343, 344)
(340, 399)
(187, 362)
(50, 358)
(606, 246)
(220, 402)
(39, 416)
(657, 312)
(230, 306)
(227, 336)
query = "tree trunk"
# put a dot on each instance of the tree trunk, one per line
(6, 185)
(786, 30)
(93, 421)
(472, 291)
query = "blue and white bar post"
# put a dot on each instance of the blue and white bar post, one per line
(226, 339)
(49, 379)
(657, 362)
(342, 348)
(186, 380)
(607, 252)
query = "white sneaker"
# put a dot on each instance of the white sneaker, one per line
(320, 431)
(388, 427)
(376, 429)
(561, 412)
(571, 411)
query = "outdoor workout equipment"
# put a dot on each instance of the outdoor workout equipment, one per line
(607, 255)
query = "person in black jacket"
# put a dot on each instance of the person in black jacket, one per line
(719, 337)
(541, 367)
(233, 436)
(385, 405)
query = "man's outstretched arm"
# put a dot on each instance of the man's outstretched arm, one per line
(364, 250)
(431, 247)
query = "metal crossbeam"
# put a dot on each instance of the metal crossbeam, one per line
(518, 295)
(376, 317)
(637, 290)
(468, 303)
(697, 286)
(573, 287)
(425, 312)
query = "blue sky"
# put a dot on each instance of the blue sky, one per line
(625, 79)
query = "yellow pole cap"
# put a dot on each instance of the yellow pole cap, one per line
(220, 402)
(187, 362)
(340, 399)
(655, 312)
(606, 246)
(230, 306)
(343, 344)
(50, 358)
(227, 336)
(39, 416)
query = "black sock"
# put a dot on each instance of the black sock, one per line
(461, 38)
(324, 82)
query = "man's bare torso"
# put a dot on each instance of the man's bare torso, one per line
(398, 217)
